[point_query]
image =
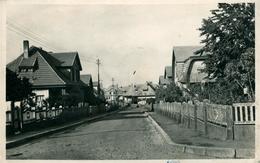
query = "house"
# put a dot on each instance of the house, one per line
(87, 80)
(168, 73)
(51, 74)
(137, 92)
(192, 71)
(179, 55)
(186, 66)
(89, 93)
(162, 81)
(111, 93)
(166, 79)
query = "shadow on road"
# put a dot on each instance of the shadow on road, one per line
(98, 132)
(130, 113)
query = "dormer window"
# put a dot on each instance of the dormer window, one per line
(28, 64)
(26, 69)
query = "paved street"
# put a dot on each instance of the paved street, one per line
(125, 135)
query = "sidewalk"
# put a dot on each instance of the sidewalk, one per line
(16, 140)
(189, 137)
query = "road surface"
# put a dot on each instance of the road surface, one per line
(125, 135)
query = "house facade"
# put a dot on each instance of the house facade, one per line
(111, 93)
(186, 66)
(51, 74)
(137, 92)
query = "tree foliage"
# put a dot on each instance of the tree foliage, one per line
(171, 93)
(229, 38)
(17, 88)
(219, 92)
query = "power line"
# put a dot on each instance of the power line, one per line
(26, 33)
(30, 36)
(106, 73)
(33, 39)
(24, 29)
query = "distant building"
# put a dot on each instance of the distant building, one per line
(89, 97)
(137, 92)
(168, 73)
(162, 81)
(51, 74)
(166, 79)
(87, 79)
(111, 93)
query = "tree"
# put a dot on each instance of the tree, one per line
(17, 89)
(75, 95)
(229, 38)
(171, 93)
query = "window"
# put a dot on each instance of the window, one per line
(72, 75)
(26, 69)
(75, 75)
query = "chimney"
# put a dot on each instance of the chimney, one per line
(25, 48)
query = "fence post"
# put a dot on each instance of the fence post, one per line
(179, 117)
(230, 123)
(172, 111)
(182, 112)
(189, 116)
(205, 117)
(168, 109)
(195, 116)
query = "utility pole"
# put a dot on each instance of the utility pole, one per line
(98, 63)
(113, 89)
(113, 83)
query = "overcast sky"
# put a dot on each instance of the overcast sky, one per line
(126, 38)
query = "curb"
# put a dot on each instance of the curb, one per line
(204, 151)
(18, 142)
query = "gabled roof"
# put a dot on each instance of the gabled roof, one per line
(137, 90)
(66, 59)
(86, 78)
(191, 70)
(46, 73)
(14, 65)
(168, 71)
(181, 53)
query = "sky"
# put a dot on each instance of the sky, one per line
(126, 38)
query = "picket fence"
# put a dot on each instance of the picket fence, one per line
(32, 115)
(213, 117)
